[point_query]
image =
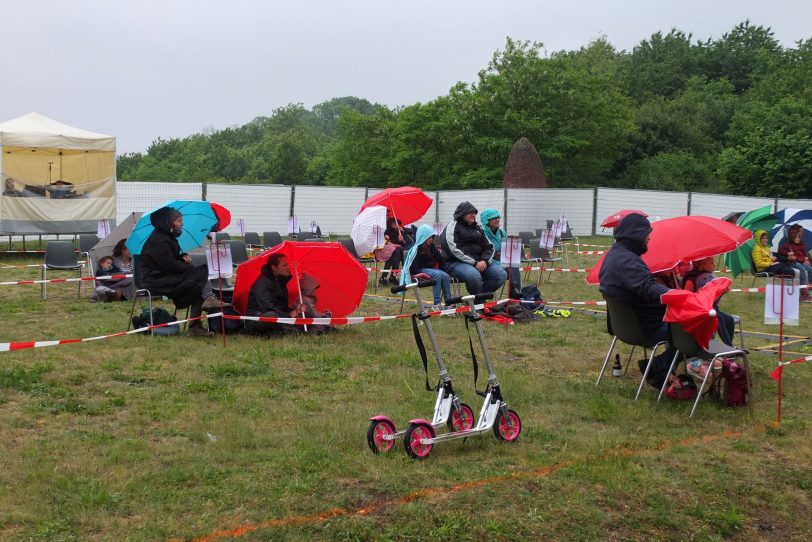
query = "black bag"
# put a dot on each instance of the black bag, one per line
(531, 294)
(159, 316)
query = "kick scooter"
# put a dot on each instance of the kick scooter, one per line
(420, 436)
(448, 409)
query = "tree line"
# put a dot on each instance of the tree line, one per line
(727, 115)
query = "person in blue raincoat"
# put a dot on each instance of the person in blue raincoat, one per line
(424, 257)
(490, 219)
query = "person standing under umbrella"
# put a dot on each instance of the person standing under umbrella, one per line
(168, 271)
(626, 277)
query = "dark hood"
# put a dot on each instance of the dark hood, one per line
(463, 209)
(632, 232)
(162, 219)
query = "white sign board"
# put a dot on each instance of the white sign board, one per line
(218, 258)
(511, 252)
(104, 227)
(293, 225)
(782, 296)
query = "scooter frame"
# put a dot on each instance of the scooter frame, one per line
(420, 436)
(382, 433)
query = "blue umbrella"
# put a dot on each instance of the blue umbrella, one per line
(198, 220)
(786, 218)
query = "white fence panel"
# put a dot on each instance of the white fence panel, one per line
(139, 196)
(263, 207)
(654, 203)
(481, 199)
(428, 218)
(794, 203)
(333, 208)
(717, 205)
(530, 208)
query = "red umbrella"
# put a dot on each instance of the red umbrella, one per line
(407, 203)
(223, 216)
(612, 220)
(694, 311)
(341, 277)
(684, 239)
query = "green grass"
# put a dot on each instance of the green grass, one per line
(143, 438)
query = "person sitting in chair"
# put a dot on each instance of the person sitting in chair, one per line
(167, 271)
(624, 276)
(469, 253)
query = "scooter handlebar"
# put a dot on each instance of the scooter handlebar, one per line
(420, 284)
(484, 296)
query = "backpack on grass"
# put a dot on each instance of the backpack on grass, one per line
(159, 316)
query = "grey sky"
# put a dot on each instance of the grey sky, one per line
(140, 69)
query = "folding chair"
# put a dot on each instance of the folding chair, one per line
(221, 236)
(541, 255)
(569, 236)
(688, 348)
(140, 292)
(305, 236)
(350, 246)
(60, 256)
(271, 239)
(86, 242)
(526, 237)
(239, 253)
(623, 325)
(252, 239)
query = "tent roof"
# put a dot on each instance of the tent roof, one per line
(35, 130)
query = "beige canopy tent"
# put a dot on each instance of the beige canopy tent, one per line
(56, 178)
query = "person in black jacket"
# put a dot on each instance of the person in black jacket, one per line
(624, 276)
(269, 297)
(165, 270)
(469, 253)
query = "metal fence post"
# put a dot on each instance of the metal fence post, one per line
(595, 211)
(690, 200)
(292, 198)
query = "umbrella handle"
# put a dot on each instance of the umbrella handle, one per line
(299, 287)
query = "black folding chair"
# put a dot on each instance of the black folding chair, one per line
(252, 239)
(60, 256)
(688, 348)
(623, 325)
(271, 239)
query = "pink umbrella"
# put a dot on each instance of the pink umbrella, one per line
(612, 220)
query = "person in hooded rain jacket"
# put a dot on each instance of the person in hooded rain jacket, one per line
(490, 219)
(794, 253)
(165, 270)
(624, 276)
(763, 259)
(469, 253)
(424, 257)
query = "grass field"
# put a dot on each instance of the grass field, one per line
(142, 438)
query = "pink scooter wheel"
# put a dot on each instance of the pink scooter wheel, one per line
(414, 434)
(378, 429)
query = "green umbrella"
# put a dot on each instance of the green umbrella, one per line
(740, 259)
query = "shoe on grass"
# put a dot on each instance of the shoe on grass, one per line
(199, 331)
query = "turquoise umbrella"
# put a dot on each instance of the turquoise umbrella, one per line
(740, 259)
(198, 220)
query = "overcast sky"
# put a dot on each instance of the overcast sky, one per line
(143, 69)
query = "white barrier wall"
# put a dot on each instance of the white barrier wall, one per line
(717, 205)
(794, 203)
(141, 197)
(262, 207)
(332, 207)
(481, 199)
(266, 207)
(530, 208)
(656, 204)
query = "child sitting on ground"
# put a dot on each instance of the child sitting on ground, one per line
(104, 291)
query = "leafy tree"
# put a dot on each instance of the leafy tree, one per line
(662, 65)
(771, 150)
(738, 54)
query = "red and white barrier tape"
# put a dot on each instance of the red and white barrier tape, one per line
(570, 243)
(556, 269)
(9, 347)
(13, 346)
(591, 252)
(77, 279)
